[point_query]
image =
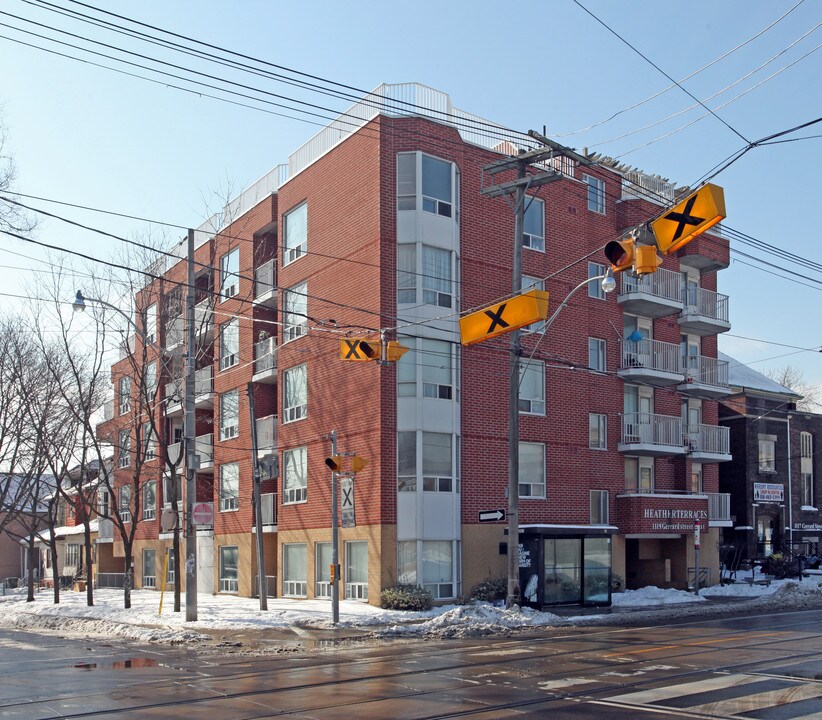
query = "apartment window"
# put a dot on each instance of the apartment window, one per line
(533, 225)
(696, 477)
(767, 453)
(532, 387)
(595, 288)
(229, 486)
(230, 274)
(149, 442)
(407, 461)
(169, 488)
(436, 276)
(438, 568)
(295, 393)
(125, 395)
(149, 572)
(596, 354)
(806, 468)
(531, 470)
(150, 500)
(432, 360)
(170, 566)
(407, 562)
(229, 568)
(639, 474)
(72, 555)
(229, 414)
(322, 570)
(406, 274)
(295, 312)
(597, 431)
(294, 570)
(599, 507)
(150, 323)
(356, 570)
(437, 463)
(102, 503)
(596, 194)
(295, 475)
(124, 445)
(229, 344)
(533, 283)
(295, 233)
(150, 379)
(435, 186)
(124, 507)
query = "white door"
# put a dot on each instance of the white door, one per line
(205, 563)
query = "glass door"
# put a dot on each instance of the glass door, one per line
(563, 571)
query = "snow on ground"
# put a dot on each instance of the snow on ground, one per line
(230, 613)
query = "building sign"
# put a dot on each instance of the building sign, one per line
(671, 520)
(813, 527)
(769, 492)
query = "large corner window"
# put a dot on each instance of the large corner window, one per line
(229, 569)
(294, 570)
(428, 365)
(230, 274)
(438, 568)
(531, 470)
(295, 475)
(434, 192)
(533, 226)
(295, 312)
(295, 233)
(356, 570)
(149, 569)
(295, 393)
(435, 273)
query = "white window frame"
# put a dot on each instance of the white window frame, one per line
(230, 274)
(167, 487)
(766, 454)
(149, 442)
(407, 274)
(595, 288)
(641, 482)
(124, 448)
(597, 431)
(295, 583)
(149, 581)
(124, 503)
(72, 555)
(534, 216)
(295, 233)
(407, 463)
(527, 283)
(322, 570)
(442, 585)
(597, 354)
(295, 475)
(229, 335)
(432, 285)
(229, 585)
(124, 388)
(596, 194)
(150, 500)
(229, 487)
(297, 410)
(532, 375)
(599, 512)
(412, 172)
(532, 488)
(355, 589)
(806, 470)
(437, 478)
(232, 430)
(150, 379)
(150, 323)
(295, 312)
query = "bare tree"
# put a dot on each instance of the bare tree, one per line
(14, 219)
(794, 379)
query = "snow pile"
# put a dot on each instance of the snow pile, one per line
(651, 596)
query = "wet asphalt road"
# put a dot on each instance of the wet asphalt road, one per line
(755, 666)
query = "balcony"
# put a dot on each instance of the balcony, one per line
(105, 530)
(654, 295)
(651, 362)
(265, 284)
(705, 377)
(705, 312)
(719, 510)
(203, 392)
(204, 320)
(267, 435)
(175, 333)
(268, 505)
(709, 443)
(651, 435)
(203, 448)
(265, 361)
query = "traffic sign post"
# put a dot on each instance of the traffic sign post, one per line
(697, 530)
(491, 515)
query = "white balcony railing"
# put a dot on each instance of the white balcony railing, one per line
(706, 303)
(105, 529)
(264, 279)
(652, 355)
(175, 328)
(265, 355)
(204, 447)
(712, 439)
(652, 429)
(108, 409)
(268, 505)
(706, 370)
(267, 434)
(664, 284)
(203, 317)
(719, 506)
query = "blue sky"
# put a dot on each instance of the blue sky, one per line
(86, 135)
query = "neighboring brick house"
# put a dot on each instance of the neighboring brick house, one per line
(773, 478)
(379, 224)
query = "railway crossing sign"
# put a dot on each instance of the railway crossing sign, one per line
(347, 502)
(512, 314)
(693, 216)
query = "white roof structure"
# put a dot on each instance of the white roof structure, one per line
(746, 378)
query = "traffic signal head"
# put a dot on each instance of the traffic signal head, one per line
(394, 350)
(647, 261)
(371, 349)
(334, 462)
(621, 253)
(358, 463)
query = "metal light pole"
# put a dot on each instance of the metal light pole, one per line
(335, 568)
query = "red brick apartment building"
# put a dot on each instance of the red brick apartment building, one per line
(378, 223)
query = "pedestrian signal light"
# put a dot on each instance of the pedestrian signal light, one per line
(621, 253)
(334, 462)
(647, 261)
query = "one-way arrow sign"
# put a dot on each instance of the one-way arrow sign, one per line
(491, 515)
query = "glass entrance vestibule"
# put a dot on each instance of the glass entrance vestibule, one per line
(563, 569)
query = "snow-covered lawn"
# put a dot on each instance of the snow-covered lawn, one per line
(226, 613)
